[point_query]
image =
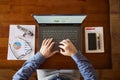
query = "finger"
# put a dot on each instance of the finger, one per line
(54, 52)
(43, 42)
(61, 51)
(68, 40)
(46, 41)
(63, 43)
(62, 47)
(51, 45)
(49, 41)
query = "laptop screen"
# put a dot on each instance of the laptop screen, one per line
(59, 19)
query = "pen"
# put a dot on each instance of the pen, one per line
(98, 40)
(27, 32)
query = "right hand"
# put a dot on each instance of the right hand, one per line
(67, 48)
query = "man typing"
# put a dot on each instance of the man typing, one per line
(67, 49)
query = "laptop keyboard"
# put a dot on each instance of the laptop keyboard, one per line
(59, 35)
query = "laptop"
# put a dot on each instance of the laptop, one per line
(60, 27)
(52, 74)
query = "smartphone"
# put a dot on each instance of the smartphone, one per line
(92, 42)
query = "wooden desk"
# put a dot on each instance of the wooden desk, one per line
(19, 12)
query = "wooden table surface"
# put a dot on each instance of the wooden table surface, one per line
(19, 12)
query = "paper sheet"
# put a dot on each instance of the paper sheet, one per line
(21, 45)
(99, 39)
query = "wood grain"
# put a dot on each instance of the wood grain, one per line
(20, 11)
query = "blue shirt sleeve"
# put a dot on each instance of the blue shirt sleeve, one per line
(85, 67)
(29, 67)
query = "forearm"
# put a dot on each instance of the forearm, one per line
(85, 67)
(29, 67)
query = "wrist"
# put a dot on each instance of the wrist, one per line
(74, 52)
(42, 54)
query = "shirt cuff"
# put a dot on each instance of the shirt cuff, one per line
(78, 56)
(40, 57)
(37, 58)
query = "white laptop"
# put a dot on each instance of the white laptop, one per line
(50, 74)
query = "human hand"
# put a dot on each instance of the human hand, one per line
(46, 48)
(67, 48)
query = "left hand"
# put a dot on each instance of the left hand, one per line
(46, 48)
